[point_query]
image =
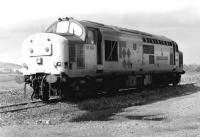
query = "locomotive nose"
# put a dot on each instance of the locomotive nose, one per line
(44, 53)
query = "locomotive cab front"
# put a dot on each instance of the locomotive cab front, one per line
(49, 56)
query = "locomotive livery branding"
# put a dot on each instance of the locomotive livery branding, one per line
(77, 58)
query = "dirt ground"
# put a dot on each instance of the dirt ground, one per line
(161, 112)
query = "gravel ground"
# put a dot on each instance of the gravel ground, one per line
(162, 112)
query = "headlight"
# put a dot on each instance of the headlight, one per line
(47, 49)
(39, 61)
(31, 50)
(58, 64)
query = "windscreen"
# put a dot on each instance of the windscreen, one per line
(65, 27)
(62, 27)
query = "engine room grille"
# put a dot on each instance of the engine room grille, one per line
(122, 44)
(151, 59)
(72, 53)
(171, 59)
(148, 49)
(80, 56)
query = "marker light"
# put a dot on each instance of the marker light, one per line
(58, 64)
(31, 50)
(47, 49)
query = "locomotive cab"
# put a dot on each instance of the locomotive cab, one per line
(84, 46)
(56, 43)
(67, 27)
(51, 55)
(66, 49)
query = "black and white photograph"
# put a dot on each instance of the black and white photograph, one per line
(100, 68)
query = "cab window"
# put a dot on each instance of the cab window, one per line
(62, 27)
(90, 37)
(75, 29)
(51, 29)
(65, 27)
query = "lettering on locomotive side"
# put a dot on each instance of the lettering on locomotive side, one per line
(161, 58)
(89, 47)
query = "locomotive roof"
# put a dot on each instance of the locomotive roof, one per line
(122, 30)
(146, 37)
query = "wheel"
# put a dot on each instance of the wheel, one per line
(35, 94)
(45, 96)
(77, 91)
(44, 92)
(110, 85)
(140, 83)
(176, 80)
(64, 90)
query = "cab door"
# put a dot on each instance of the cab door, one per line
(93, 49)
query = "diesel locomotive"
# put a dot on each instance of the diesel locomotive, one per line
(75, 58)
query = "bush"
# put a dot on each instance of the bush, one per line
(191, 68)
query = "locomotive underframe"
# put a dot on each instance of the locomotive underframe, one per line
(68, 87)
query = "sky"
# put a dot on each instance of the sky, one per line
(176, 19)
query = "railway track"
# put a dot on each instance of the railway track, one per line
(35, 104)
(23, 106)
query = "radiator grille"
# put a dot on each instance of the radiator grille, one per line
(80, 56)
(151, 59)
(72, 53)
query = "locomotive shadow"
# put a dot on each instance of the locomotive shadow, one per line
(104, 108)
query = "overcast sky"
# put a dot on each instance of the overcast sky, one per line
(176, 19)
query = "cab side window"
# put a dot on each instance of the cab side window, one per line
(90, 37)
